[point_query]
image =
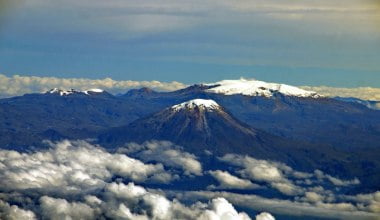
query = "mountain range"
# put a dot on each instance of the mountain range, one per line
(249, 117)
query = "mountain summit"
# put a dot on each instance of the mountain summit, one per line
(204, 104)
(197, 124)
(62, 92)
(257, 88)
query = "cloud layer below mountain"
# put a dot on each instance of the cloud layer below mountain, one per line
(79, 180)
(73, 180)
(166, 153)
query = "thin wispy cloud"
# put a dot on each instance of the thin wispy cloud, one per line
(121, 36)
(229, 181)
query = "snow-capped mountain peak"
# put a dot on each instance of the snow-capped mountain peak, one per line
(62, 92)
(257, 88)
(206, 104)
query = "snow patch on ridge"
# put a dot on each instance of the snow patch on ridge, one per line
(206, 104)
(258, 88)
(93, 90)
(62, 92)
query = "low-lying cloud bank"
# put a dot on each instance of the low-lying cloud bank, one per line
(124, 201)
(75, 180)
(129, 201)
(365, 93)
(283, 207)
(309, 194)
(79, 180)
(166, 153)
(19, 85)
(281, 177)
(72, 167)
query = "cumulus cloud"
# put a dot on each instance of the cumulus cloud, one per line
(261, 170)
(129, 201)
(53, 208)
(306, 192)
(273, 173)
(13, 212)
(228, 181)
(77, 180)
(74, 180)
(166, 153)
(137, 198)
(265, 216)
(365, 93)
(282, 177)
(222, 209)
(19, 85)
(72, 167)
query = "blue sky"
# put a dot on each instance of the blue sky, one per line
(326, 42)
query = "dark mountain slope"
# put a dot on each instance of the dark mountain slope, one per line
(319, 120)
(199, 127)
(311, 124)
(346, 125)
(28, 119)
(194, 125)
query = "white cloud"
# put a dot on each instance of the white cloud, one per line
(273, 173)
(125, 192)
(72, 167)
(166, 153)
(339, 182)
(336, 181)
(222, 209)
(261, 170)
(368, 202)
(134, 197)
(287, 188)
(344, 210)
(74, 180)
(56, 209)
(264, 216)
(282, 177)
(313, 197)
(365, 93)
(13, 212)
(343, 206)
(19, 85)
(228, 181)
(120, 201)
